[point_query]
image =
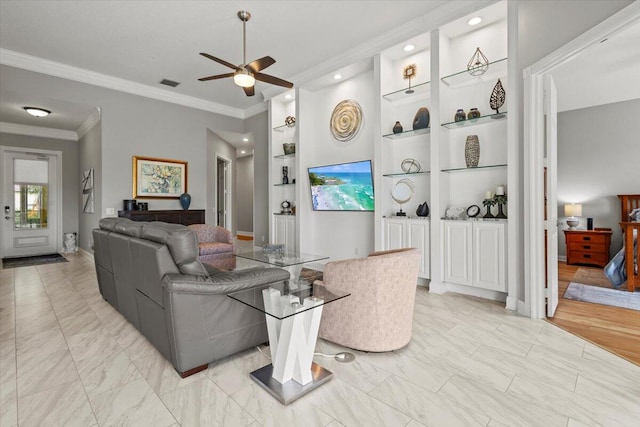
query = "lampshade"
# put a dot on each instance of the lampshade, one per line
(573, 210)
(243, 78)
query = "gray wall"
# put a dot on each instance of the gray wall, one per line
(244, 194)
(90, 157)
(598, 158)
(70, 173)
(217, 147)
(134, 125)
(258, 125)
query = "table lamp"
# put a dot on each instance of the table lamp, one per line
(572, 211)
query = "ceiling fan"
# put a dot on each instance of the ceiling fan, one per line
(246, 75)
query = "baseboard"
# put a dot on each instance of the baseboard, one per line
(85, 253)
(512, 303)
(441, 288)
(438, 287)
(562, 258)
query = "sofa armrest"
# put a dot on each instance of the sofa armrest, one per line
(221, 234)
(223, 282)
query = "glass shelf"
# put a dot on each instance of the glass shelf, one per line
(407, 133)
(283, 185)
(479, 121)
(420, 90)
(474, 169)
(285, 156)
(406, 174)
(284, 128)
(496, 69)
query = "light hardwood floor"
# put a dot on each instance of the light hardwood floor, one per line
(67, 358)
(615, 329)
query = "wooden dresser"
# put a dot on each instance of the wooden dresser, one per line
(184, 217)
(588, 246)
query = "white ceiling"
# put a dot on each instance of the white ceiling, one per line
(145, 41)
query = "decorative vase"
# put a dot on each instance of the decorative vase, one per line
(473, 114)
(421, 120)
(289, 148)
(423, 209)
(460, 116)
(185, 200)
(472, 151)
(285, 174)
(397, 128)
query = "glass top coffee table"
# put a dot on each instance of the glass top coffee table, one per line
(291, 262)
(293, 312)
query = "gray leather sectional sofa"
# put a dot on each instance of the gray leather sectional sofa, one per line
(150, 272)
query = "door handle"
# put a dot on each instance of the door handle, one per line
(7, 217)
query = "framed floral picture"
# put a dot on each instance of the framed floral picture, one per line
(158, 178)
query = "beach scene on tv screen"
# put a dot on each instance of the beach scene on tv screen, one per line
(343, 187)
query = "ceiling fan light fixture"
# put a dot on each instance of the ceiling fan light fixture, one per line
(244, 78)
(37, 112)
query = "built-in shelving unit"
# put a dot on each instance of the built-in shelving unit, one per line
(285, 156)
(421, 90)
(407, 133)
(477, 168)
(490, 118)
(405, 174)
(496, 70)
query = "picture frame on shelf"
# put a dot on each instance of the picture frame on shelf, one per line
(155, 178)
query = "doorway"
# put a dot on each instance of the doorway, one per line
(222, 192)
(31, 195)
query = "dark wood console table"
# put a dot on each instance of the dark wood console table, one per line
(184, 217)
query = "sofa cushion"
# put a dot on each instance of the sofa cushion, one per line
(109, 224)
(131, 228)
(214, 248)
(181, 243)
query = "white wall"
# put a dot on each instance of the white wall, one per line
(598, 158)
(259, 126)
(339, 234)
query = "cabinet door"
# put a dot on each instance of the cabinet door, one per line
(457, 252)
(418, 237)
(278, 229)
(489, 256)
(394, 233)
(290, 233)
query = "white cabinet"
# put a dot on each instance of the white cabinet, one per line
(284, 231)
(474, 254)
(409, 233)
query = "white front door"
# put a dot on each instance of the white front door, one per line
(30, 203)
(551, 214)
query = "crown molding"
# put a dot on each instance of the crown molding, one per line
(38, 131)
(255, 109)
(57, 69)
(89, 122)
(440, 16)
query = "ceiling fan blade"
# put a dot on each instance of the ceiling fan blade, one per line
(250, 91)
(218, 76)
(261, 64)
(220, 61)
(273, 80)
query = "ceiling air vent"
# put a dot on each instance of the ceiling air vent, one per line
(168, 82)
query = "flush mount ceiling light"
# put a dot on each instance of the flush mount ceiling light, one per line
(37, 112)
(337, 76)
(408, 48)
(245, 139)
(474, 21)
(288, 96)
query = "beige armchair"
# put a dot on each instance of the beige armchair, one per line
(379, 313)
(215, 246)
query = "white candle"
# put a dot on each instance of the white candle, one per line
(487, 195)
(500, 190)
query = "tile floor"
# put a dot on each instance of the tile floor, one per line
(68, 358)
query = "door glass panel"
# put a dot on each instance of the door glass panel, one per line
(31, 193)
(30, 206)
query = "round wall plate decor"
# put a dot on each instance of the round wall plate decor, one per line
(346, 120)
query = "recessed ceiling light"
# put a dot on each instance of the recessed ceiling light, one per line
(337, 76)
(409, 48)
(245, 139)
(242, 152)
(37, 112)
(288, 96)
(474, 21)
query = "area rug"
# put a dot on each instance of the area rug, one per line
(27, 261)
(598, 295)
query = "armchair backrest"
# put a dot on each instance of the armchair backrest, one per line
(207, 233)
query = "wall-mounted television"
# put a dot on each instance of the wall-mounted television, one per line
(342, 187)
